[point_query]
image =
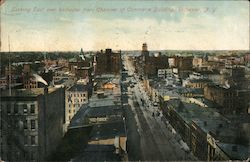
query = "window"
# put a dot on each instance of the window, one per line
(32, 124)
(32, 109)
(32, 155)
(25, 140)
(25, 124)
(84, 95)
(69, 111)
(8, 108)
(16, 123)
(15, 108)
(25, 109)
(32, 140)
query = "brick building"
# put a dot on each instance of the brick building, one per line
(108, 62)
(183, 63)
(31, 123)
(231, 100)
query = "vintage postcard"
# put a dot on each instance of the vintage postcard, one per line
(124, 80)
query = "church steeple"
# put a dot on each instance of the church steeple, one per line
(82, 55)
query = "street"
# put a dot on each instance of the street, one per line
(158, 141)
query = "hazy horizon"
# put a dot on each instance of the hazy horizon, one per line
(139, 50)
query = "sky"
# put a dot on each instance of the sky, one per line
(69, 25)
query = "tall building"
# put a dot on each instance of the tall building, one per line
(148, 65)
(144, 52)
(144, 47)
(184, 63)
(108, 62)
(76, 96)
(231, 99)
(237, 77)
(31, 123)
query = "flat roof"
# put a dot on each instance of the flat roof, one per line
(33, 92)
(234, 151)
(108, 130)
(98, 153)
(81, 118)
(79, 87)
(106, 100)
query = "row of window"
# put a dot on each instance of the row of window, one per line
(21, 108)
(3, 82)
(78, 95)
(30, 140)
(30, 86)
(70, 111)
(74, 105)
(81, 100)
(78, 100)
(32, 124)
